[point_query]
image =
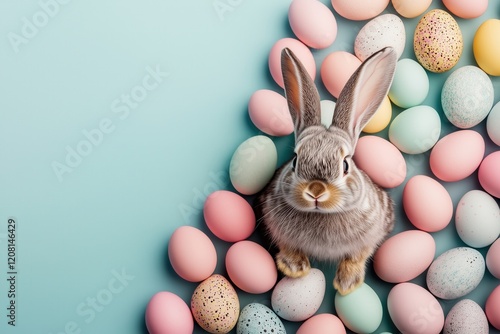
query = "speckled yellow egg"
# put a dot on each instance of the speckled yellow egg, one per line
(486, 47)
(215, 305)
(438, 41)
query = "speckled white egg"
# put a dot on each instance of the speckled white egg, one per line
(297, 299)
(384, 30)
(466, 317)
(256, 318)
(327, 110)
(455, 273)
(467, 96)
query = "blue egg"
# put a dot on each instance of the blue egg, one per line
(257, 318)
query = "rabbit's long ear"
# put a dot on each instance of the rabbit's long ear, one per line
(364, 92)
(301, 93)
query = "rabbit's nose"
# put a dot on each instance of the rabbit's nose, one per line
(317, 191)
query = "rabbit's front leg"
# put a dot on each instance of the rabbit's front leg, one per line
(351, 272)
(292, 263)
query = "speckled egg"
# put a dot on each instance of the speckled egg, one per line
(455, 273)
(437, 41)
(257, 318)
(215, 305)
(384, 30)
(467, 96)
(297, 299)
(466, 317)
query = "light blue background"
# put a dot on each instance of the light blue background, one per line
(115, 211)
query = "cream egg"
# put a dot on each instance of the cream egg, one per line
(358, 9)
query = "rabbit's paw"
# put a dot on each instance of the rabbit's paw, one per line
(292, 264)
(350, 275)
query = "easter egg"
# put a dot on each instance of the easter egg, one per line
(466, 317)
(327, 111)
(336, 70)
(455, 273)
(493, 124)
(269, 112)
(381, 118)
(253, 164)
(477, 218)
(467, 96)
(414, 310)
(410, 85)
(427, 203)
(381, 160)
(360, 310)
(167, 313)
(492, 308)
(416, 130)
(215, 305)
(486, 45)
(404, 256)
(488, 174)
(300, 50)
(384, 30)
(358, 9)
(297, 299)
(229, 216)
(466, 9)
(256, 318)
(324, 323)
(313, 23)
(437, 41)
(192, 254)
(493, 259)
(411, 8)
(242, 259)
(457, 155)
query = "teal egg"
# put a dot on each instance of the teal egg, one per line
(410, 85)
(360, 310)
(415, 130)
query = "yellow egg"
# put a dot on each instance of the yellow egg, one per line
(381, 118)
(487, 47)
(437, 41)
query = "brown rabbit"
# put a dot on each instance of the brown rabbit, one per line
(319, 204)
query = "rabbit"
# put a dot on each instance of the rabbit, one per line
(319, 204)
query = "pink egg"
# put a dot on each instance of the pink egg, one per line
(336, 70)
(322, 323)
(313, 23)
(466, 9)
(269, 112)
(404, 256)
(299, 49)
(492, 308)
(229, 216)
(250, 267)
(414, 310)
(167, 313)
(493, 259)
(489, 172)
(457, 155)
(359, 9)
(192, 254)
(427, 203)
(381, 160)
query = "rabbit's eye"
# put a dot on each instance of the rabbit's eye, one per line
(346, 166)
(294, 161)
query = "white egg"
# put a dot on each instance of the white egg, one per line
(466, 317)
(493, 124)
(327, 110)
(257, 318)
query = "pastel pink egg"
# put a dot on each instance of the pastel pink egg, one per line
(322, 323)
(359, 9)
(427, 203)
(489, 172)
(457, 155)
(381, 160)
(299, 49)
(269, 112)
(167, 313)
(466, 9)
(192, 254)
(404, 256)
(313, 23)
(492, 308)
(493, 259)
(336, 70)
(250, 267)
(229, 216)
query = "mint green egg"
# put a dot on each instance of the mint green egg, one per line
(360, 310)
(410, 85)
(253, 164)
(415, 130)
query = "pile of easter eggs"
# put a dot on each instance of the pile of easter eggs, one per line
(467, 99)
